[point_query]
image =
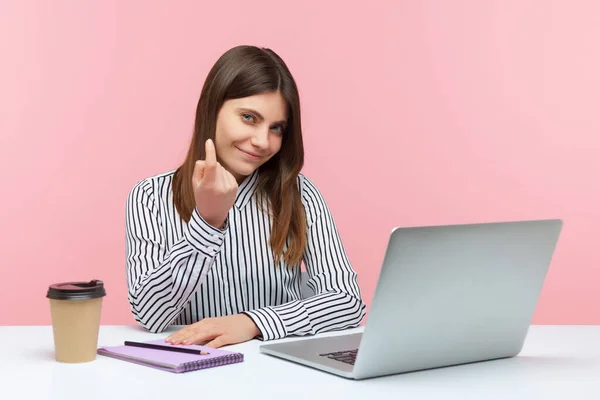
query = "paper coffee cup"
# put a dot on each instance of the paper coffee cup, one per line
(76, 308)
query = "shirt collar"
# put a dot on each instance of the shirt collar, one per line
(246, 190)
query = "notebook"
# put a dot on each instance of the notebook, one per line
(171, 361)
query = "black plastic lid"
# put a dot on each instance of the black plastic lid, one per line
(76, 290)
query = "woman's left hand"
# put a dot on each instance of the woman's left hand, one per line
(219, 331)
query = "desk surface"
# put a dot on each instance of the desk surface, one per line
(557, 362)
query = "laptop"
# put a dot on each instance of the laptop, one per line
(446, 295)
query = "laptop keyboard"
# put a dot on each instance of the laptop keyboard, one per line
(345, 356)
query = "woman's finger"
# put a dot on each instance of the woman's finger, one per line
(218, 341)
(222, 177)
(198, 173)
(231, 180)
(177, 336)
(199, 337)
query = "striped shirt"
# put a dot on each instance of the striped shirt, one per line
(179, 273)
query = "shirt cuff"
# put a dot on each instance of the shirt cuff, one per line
(204, 237)
(268, 322)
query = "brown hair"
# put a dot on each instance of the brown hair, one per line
(241, 72)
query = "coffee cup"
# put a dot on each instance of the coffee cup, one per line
(76, 308)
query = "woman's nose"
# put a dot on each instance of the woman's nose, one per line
(261, 138)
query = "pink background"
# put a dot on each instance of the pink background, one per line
(430, 112)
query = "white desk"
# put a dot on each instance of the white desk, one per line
(557, 362)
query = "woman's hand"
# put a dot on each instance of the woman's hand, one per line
(215, 188)
(219, 331)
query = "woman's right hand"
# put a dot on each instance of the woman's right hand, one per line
(215, 189)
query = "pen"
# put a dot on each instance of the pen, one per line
(167, 348)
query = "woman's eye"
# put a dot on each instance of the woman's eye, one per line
(278, 128)
(248, 117)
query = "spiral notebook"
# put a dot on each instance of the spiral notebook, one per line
(172, 361)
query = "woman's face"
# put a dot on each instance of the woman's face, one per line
(249, 132)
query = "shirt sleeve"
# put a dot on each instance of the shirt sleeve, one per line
(160, 279)
(337, 302)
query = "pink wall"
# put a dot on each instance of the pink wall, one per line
(444, 112)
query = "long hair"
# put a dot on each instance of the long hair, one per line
(241, 72)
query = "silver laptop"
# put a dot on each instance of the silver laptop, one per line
(446, 295)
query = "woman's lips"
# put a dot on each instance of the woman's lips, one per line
(249, 155)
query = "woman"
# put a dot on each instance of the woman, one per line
(217, 244)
